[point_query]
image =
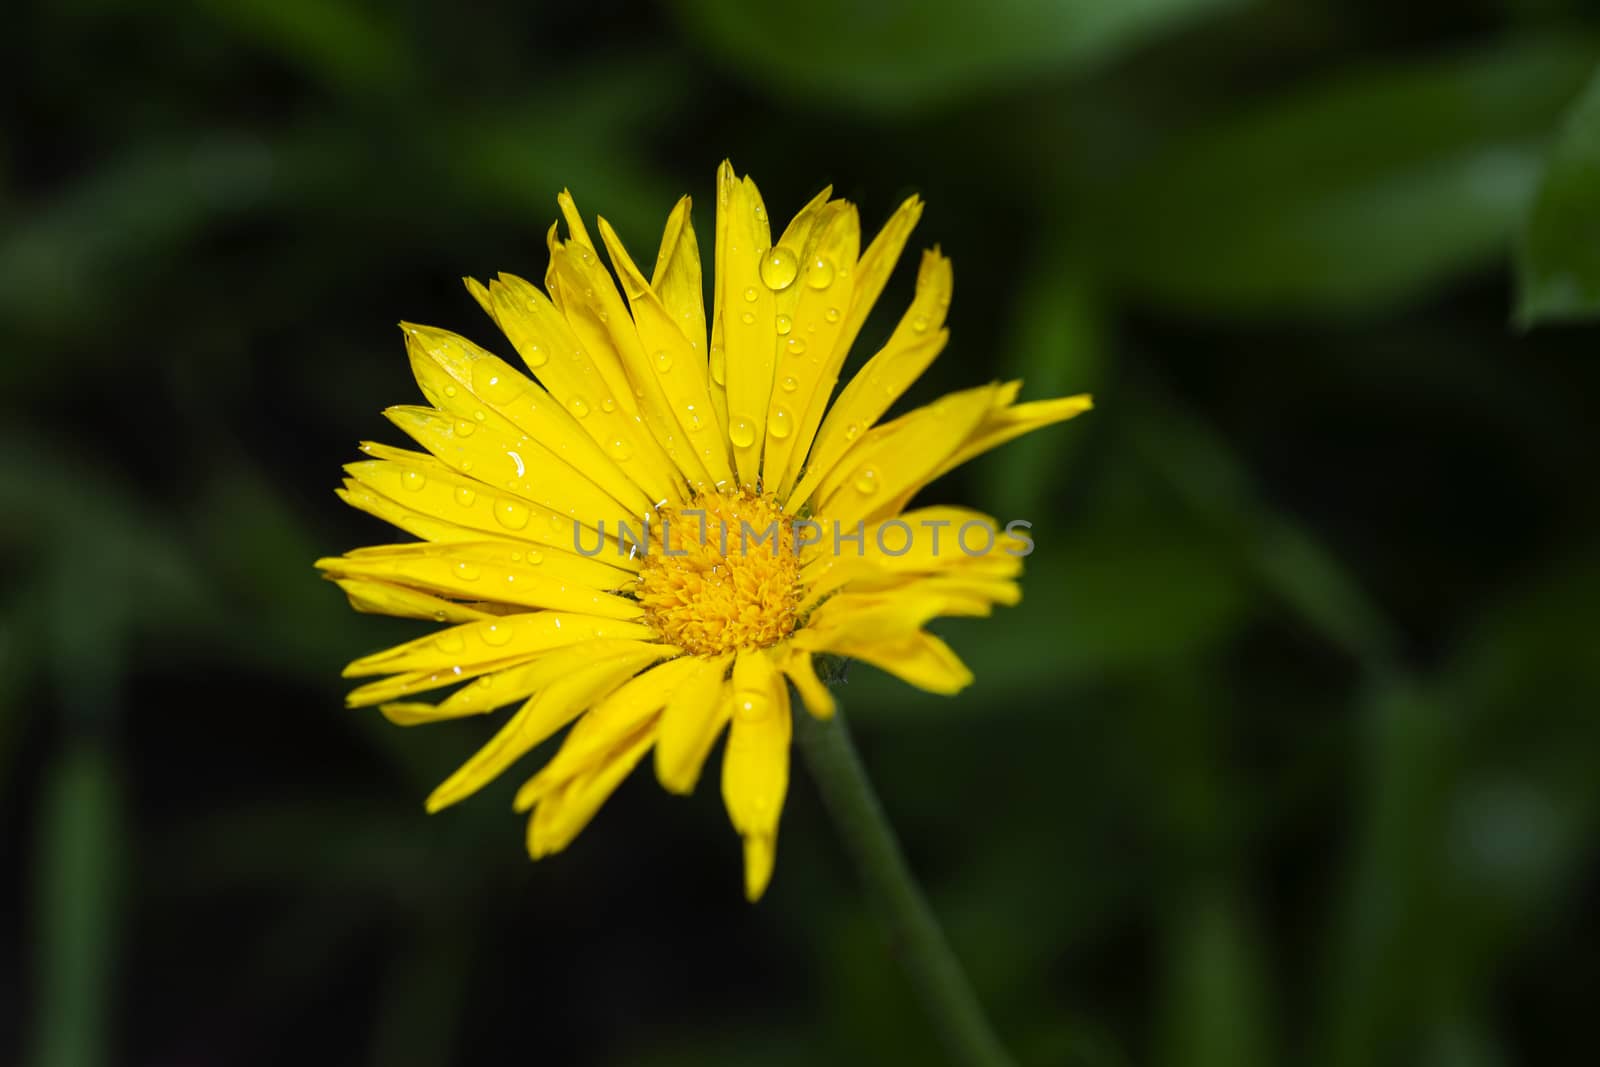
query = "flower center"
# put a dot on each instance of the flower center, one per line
(721, 574)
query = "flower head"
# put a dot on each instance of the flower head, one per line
(652, 538)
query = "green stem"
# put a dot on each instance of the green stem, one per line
(914, 933)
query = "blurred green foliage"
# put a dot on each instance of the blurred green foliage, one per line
(1287, 756)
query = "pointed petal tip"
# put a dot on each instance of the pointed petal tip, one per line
(759, 855)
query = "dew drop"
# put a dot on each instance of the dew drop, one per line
(465, 496)
(467, 572)
(820, 274)
(465, 428)
(512, 515)
(742, 432)
(579, 406)
(779, 267)
(535, 557)
(697, 421)
(867, 480)
(620, 449)
(784, 324)
(748, 318)
(496, 633)
(451, 642)
(790, 384)
(495, 383)
(920, 324)
(719, 364)
(450, 390)
(779, 423)
(536, 356)
(796, 345)
(850, 432)
(413, 480)
(604, 316)
(608, 405)
(750, 295)
(751, 705)
(663, 361)
(832, 314)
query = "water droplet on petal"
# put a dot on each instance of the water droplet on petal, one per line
(748, 318)
(779, 423)
(608, 405)
(742, 432)
(579, 406)
(450, 390)
(620, 449)
(832, 314)
(920, 324)
(467, 572)
(512, 515)
(784, 324)
(867, 480)
(465, 428)
(465, 495)
(697, 421)
(820, 274)
(663, 361)
(496, 633)
(790, 384)
(719, 364)
(750, 295)
(851, 431)
(536, 356)
(535, 557)
(751, 705)
(451, 642)
(796, 345)
(779, 267)
(413, 480)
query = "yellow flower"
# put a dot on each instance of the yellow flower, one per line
(659, 534)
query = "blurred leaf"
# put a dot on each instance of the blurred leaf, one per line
(1349, 196)
(1558, 265)
(903, 55)
(1057, 349)
(78, 883)
(1216, 1011)
(344, 44)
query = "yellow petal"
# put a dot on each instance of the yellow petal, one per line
(519, 464)
(936, 540)
(383, 598)
(695, 714)
(439, 504)
(877, 264)
(1002, 424)
(676, 368)
(717, 357)
(544, 713)
(916, 341)
(748, 333)
(617, 329)
(797, 666)
(810, 354)
(919, 659)
(677, 276)
(470, 571)
(897, 455)
(514, 680)
(545, 339)
(497, 638)
(606, 724)
(755, 767)
(561, 816)
(469, 383)
(398, 685)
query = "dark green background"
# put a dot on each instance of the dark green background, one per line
(1288, 756)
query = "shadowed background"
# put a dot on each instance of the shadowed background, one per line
(1288, 755)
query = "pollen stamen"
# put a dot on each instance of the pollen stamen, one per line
(726, 580)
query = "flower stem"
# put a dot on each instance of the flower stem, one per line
(914, 934)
